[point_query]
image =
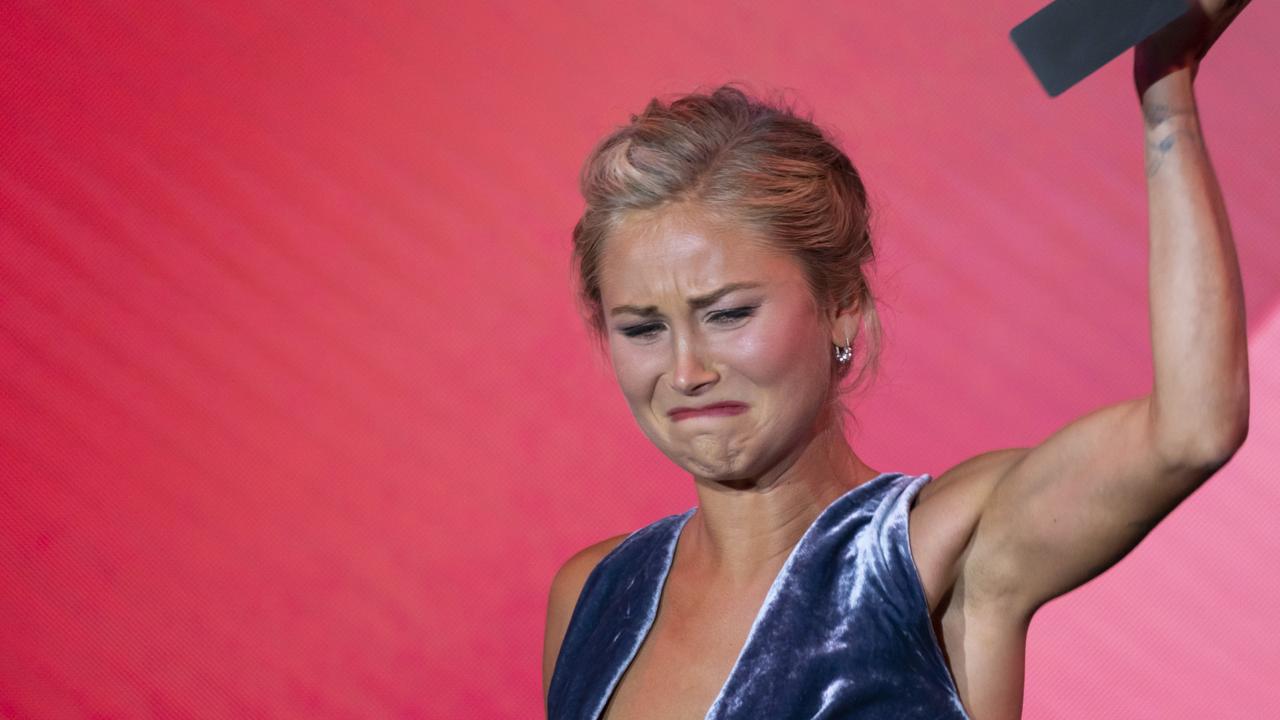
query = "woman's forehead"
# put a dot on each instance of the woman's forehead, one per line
(682, 217)
(677, 238)
(688, 259)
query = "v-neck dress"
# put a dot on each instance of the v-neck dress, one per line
(844, 631)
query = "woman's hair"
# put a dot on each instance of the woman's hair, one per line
(749, 161)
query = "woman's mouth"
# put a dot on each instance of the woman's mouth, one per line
(713, 410)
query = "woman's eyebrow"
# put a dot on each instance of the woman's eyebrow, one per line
(696, 303)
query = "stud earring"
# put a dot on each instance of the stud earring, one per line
(844, 354)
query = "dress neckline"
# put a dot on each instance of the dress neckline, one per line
(765, 606)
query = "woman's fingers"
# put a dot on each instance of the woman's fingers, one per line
(1221, 13)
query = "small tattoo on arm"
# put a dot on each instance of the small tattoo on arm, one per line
(1154, 113)
(1157, 150)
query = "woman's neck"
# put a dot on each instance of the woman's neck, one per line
(743, 531)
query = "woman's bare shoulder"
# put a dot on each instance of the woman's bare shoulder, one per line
(566, 586)
(571, 576)
(945, 514)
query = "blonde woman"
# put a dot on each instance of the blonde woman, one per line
(721, 260)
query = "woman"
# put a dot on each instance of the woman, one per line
(721, 259)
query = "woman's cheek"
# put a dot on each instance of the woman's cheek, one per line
(768, 351)
(637, 369)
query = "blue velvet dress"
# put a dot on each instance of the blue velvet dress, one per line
(844, 631)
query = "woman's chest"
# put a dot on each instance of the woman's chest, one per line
(685, 660)
(846, 628)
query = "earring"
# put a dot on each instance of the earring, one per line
(844, 354)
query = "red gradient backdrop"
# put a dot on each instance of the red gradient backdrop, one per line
(297, 418)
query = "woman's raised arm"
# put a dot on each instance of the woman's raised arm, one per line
(1060, 513)
(1200, 401)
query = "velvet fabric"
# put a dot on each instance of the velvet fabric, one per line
(844, 631)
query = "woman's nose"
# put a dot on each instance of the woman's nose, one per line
(691, 374)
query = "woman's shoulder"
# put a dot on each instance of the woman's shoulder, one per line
(573, 574)
(566, 587)
(945, 514)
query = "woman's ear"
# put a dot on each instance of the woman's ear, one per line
(845, 324)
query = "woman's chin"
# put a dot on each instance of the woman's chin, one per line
(718, 467)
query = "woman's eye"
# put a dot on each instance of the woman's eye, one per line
(642, 331)
(728, 317)
(647, 331)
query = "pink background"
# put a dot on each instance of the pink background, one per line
(297, 418)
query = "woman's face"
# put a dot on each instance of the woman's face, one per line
(700, 313)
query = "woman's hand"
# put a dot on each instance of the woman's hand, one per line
(1183, 42)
